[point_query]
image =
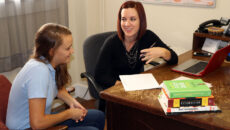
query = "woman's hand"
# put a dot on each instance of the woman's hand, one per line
(152, 53)
(117, 82)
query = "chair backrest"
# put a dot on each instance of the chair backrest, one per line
(5, 87)
(91, 49)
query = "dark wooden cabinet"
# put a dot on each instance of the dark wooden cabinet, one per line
(199, 38)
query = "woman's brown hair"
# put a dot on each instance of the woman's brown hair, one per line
(141, 13)
(49, 36)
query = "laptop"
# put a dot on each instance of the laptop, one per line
(199, 68)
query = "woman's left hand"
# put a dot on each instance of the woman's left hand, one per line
(152, 53)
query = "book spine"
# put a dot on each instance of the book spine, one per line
(182, 102)
(189, 94)
(192, 109)
(203, 101)
(166, 90)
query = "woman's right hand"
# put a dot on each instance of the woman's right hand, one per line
(150, 54)
(76, 113)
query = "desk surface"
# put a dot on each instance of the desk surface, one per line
(146, 100)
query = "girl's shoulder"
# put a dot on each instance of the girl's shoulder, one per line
(33, 68)
(35, 65)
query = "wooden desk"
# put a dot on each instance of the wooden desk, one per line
(140, 110)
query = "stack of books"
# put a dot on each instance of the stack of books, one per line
(186, 96)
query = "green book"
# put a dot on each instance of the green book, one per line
(186, 88)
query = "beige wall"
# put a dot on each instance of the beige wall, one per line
(84, 20)
(173, 24)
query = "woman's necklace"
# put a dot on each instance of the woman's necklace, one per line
(132, 56)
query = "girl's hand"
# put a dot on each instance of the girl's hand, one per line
(77, 114)
(76, 104)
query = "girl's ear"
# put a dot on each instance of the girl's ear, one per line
(51, 52)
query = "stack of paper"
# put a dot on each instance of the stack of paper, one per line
(138, 82)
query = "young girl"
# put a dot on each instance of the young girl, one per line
(44, 77)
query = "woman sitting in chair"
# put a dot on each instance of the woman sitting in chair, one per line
(133, 46)
(43, 78)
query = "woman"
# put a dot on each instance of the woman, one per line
(44, 77)
(127, 51)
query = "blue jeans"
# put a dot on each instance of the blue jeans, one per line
(94, 120)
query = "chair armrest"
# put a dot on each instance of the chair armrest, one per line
(3, 126)
(92, 81)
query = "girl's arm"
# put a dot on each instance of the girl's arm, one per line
(40, 120)
(68, 99)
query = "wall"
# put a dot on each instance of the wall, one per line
(84, 20)
(173, 24)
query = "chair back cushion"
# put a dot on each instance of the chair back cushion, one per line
(5, 86)
(91, 49)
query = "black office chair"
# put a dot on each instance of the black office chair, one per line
(91, 49)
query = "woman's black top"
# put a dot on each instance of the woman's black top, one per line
(114, 60)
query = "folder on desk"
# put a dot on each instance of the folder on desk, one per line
(199, 68)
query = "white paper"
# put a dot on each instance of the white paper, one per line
(186, 78)
(138, 82)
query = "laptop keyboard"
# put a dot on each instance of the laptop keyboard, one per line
(196, 67)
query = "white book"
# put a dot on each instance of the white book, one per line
(182, 110)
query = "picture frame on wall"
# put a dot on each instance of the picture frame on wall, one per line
(192, 3)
